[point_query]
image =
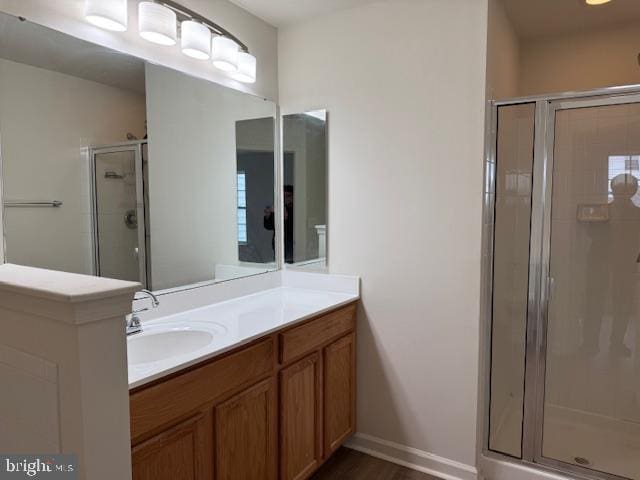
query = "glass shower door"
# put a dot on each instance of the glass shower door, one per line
(119, 216)
(512, 220)
(591, 410)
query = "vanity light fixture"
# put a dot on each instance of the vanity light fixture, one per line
(597, 2)
(157, 23)
(107, 14)
(246, 68)
(224, 54)
(196, 40)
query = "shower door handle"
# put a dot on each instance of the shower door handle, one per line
(551, 284)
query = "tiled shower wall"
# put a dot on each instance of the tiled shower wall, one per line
(583, 373)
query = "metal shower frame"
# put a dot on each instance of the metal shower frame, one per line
(540, 282)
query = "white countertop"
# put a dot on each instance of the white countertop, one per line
(229, 324)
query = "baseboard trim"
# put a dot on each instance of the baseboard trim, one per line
(412, 458)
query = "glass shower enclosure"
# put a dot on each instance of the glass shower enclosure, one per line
(562, 278)
(120, 211)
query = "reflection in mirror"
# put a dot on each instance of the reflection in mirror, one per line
(305, 188)
(256, 176)
(116, 168)
(60, 97)
(211, 174)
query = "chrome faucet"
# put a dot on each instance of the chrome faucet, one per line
(133, 325)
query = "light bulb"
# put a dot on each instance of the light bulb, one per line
(157, 23)
(246, 68)
(196, 40)
(224, 54)
(107, 14)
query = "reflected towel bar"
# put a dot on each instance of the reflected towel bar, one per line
(53, 203)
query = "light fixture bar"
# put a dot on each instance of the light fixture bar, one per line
(185, 13)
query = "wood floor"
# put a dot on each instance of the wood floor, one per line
(348, 464)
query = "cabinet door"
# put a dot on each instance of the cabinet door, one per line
(246, 437)
(300, 422)
(182, 451)
(339, 392)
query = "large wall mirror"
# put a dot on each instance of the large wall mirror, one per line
(115, 167)
(305, 189)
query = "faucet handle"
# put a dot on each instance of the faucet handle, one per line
(147, 294)
(133, 325)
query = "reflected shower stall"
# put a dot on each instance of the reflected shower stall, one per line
(120, 211)
(562, 268)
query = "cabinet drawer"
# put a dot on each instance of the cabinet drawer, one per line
(312, 335)
(173, 399)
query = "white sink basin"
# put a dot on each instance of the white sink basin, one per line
(163, 341)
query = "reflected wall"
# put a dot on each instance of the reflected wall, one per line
(193, 179)
(169, 188)
(305, 166)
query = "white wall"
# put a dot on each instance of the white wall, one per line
(503, 54)
(573, 61)
(63, 367)
(260, 37)
(403, 82)
(47, 121)
(192, 173)
(580, 61)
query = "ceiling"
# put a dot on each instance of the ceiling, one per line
(536, 18)
(32, 44)
(281, 13)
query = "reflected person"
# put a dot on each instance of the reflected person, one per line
(270, 223)
(625, 254)
(612, 268)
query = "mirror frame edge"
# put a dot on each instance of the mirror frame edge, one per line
(3, 229)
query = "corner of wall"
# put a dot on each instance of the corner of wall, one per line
(503, 54)
(412, 458)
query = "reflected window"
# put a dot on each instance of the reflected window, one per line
(621, 164)
(242, 208)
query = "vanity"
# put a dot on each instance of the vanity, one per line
(195, 192)
(275, 407)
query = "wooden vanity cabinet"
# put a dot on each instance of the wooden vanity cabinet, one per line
(181, 451)
(215, 420)
(339, 392)
(301, 418)
(246, 435)
(274, 409)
